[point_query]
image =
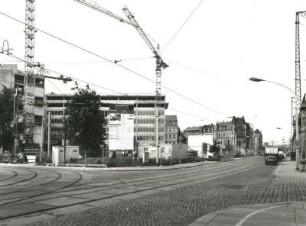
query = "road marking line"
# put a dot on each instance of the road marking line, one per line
(253, 213)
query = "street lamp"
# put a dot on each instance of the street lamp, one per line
(297, 151)
(254, 79)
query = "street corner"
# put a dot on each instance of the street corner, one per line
(283, 214)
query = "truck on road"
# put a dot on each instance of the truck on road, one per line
(271, 155)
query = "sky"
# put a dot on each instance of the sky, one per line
(212, 48)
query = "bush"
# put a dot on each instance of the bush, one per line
(112, 163)
(117, 162)
(165, 162)
(71, 160)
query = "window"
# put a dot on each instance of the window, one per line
(19, 79)
(37, 119)
(39, 101)
(39, 82)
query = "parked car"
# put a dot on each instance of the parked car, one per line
(271, 159)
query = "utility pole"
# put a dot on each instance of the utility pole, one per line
(42, 134)
(16, 122)
(65, 132)
(49, 134)
(298, 90)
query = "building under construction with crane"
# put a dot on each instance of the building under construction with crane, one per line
(160, 64)
(121, 136)
(32, 82)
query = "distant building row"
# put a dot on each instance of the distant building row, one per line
(131, 123)
(235, 137)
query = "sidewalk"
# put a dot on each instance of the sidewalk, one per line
(135, 168)
(281, 214)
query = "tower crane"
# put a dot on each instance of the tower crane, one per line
(160, 64)
(29, 82)
(32, 78)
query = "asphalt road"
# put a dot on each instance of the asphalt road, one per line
(54, 196)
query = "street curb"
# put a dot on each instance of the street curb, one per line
(140, 168)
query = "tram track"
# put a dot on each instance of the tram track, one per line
(22, 198)
(10, 177)
(196, 179)
(35, 174)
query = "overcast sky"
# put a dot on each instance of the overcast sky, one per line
(212, 47)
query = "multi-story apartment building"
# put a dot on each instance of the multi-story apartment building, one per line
(241, 134)
(225, 136)
(194, 130)
(142, 106)
(171, 129)
(13, 78)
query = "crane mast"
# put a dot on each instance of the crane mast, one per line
(29, 82)
(298, 91)
(160, 64)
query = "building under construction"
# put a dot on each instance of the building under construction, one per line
(142, 107)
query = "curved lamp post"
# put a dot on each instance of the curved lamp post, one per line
(297, 151)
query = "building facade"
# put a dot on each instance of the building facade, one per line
(13, 78)
(241, 135)
(142, 107)
(225, 136)
(235, 137)
(171, 129)
(200, 138)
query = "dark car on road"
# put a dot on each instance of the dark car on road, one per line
(271, 159)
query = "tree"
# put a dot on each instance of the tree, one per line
(84, 124)
(6, 118)
(181, 138)
(215, 148)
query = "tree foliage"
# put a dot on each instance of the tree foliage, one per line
(7, 117)
(84, 123)
(215, 148)
(181, 138)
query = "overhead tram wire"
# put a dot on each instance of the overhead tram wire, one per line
(92, 84)
(58, 73)
(86, 82)
(60, 91)
(185, 113)
(184, 23)
(99, 61)
(106, 59)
